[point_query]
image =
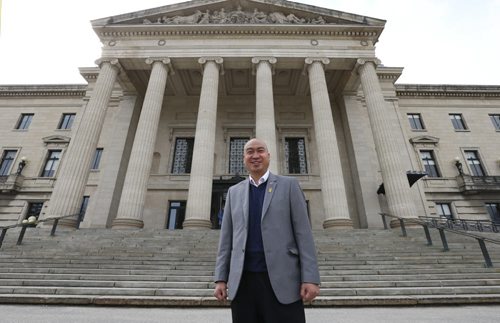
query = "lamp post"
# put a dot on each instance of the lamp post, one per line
(459, 166)
(21, 165)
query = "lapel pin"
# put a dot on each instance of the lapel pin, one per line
(270, 189)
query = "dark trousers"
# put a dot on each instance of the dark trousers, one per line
(255, 302)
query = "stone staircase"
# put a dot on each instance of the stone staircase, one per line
(175, 268)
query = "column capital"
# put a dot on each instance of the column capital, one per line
(165, 60)
(114, 62)
(323, 60)
(362, 61)
(310, 60)
(216, 59)
(260, 59)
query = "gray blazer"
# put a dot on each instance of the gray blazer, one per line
(288, 242)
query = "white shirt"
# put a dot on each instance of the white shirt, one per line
(261, 180)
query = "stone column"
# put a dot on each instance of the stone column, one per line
(130, 210)
(265, 125)
(332, 179)
(104, 202)
(397, 190)
(68, 191)
(202, 166)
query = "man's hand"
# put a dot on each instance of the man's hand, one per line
(220, 291)
(308, 291)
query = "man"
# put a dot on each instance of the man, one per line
(266, 263)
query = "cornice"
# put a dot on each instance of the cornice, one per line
(141, 31)
(427, 90)
(43, 90)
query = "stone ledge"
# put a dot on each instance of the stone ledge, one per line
(212, 302)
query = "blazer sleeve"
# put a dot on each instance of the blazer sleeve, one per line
(303, 235)
(225, 244)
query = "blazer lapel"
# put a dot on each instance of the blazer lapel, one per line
(271, 187)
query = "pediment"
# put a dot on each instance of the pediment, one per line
(424, 140)
(56, 139)
(238, 12)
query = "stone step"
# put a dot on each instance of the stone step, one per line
(207, 292)
(106, 284)
(455, 290)
(162, 284)
(103, 277)
(147, 267)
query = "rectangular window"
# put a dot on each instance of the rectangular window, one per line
(494, 211)
(457, 121)
(97, 159)
(416, 122)
(176, 211)
(444, 210)
(7, 161)
(495, 118)
(34, 209)
(183, 156)
(66, 121)
(429, 163)
(49, 170)
(295, 156)
(474, 163)
(24, 121)
(83, 207)
(236, 164)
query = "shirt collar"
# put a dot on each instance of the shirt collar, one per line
(263, 179)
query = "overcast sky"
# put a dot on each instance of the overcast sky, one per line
(436, 41)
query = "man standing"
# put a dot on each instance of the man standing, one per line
(266, 263)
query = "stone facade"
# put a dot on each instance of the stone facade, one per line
(179, 88)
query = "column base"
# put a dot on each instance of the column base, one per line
(196, 224)
(121, 223)
(408, 223)
(335, 224)
(66, 224)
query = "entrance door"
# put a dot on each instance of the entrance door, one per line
(219, 193)
(176, 213)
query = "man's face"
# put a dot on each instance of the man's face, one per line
(256, 157)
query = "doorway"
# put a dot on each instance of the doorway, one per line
(176, 213)
(219, 194)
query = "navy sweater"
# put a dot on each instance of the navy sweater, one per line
(255, 260)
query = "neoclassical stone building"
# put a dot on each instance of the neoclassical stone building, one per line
(155, 137)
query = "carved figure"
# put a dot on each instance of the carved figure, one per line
(258, 17)
(219, 17)
(277, 18)
(205, 18)
(294, 19)
(185, 20)
(238, 16)
(318, 21)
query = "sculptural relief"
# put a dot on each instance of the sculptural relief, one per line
(237, 16)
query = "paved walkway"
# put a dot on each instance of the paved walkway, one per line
(65, 314)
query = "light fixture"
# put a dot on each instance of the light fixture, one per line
(459, 166)
(21, 165)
